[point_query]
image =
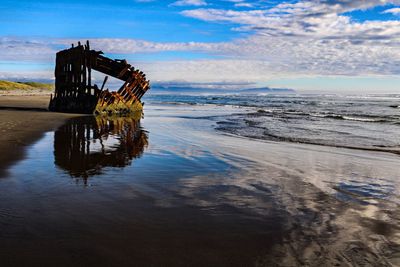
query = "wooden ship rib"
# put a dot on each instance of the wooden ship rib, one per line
(75, 93)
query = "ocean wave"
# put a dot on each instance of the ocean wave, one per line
(348, 117)
(357, 118)
(369, 123)
(362, 119)
(274, 137)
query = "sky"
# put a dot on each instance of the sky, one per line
(327, 45)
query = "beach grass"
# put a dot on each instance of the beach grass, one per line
(24, 86)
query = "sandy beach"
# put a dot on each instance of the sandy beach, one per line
(23, 120)
(200, 133)
(181, 193)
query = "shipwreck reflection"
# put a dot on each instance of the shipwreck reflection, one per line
(85, 145)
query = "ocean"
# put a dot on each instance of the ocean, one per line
(211, 181)
(369, 122)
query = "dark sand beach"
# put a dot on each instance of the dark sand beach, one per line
(23, 120)
(173, 191)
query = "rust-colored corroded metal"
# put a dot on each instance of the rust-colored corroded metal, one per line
(75, 93)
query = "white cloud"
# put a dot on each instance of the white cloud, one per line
(244, 5)
(189, 3)
(21, 49)
(288, 40)
(255, 58)
(45, 76)
(312, 19)
(394, 11)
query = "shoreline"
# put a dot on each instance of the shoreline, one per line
(23, 121)
(265, 200)
(367, 149)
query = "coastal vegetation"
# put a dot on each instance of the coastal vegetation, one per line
(24, 86)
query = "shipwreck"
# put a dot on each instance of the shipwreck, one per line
(75, 93)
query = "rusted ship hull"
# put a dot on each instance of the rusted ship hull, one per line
(75, 93)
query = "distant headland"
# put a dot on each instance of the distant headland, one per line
(199, 90)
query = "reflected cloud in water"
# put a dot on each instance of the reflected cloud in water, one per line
(86, 145)
(197, 198)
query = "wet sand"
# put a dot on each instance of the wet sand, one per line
(23, 120)
(183, 194)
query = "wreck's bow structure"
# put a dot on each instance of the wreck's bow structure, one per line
(75, 93)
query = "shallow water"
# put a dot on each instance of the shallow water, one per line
(172, 191)
(364, 122)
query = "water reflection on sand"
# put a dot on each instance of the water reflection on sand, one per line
(85, 145)
(194, 197)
